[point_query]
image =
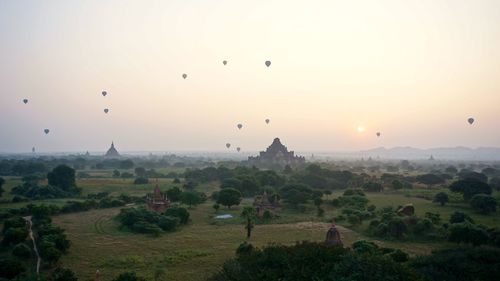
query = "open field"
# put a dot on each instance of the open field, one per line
(198, 249)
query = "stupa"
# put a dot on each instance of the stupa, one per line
(112, 152)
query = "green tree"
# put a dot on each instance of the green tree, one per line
(126, 164)
(484, 203)
(216, 207)
(430, 179)
(441, 198)
(229, 197)
(458, 217)
(116, 174)
(2, 182)
(317, 202)
(470, 187)
(396, 184)
(373, 186)
(190, 198)
(140, 171)
(174, 194)
(467, 233)
(10, 268)
(21, 250)
(249, 214)
(63, 177)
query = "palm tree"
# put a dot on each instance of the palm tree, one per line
(249, 214)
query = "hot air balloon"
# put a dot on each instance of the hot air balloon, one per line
(228, 145)
(470, 120)
(25, 101)
(267, 121)
(239, 126)
(238, 149)
(104, 93)
(224, 62)
(268, 63)
(184, 75)
(378, 134)
(106, 110)
(46, 131)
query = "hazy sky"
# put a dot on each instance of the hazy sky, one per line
(413, 70)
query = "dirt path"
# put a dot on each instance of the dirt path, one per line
(32, 237)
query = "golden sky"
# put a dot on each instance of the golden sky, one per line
(414, 70)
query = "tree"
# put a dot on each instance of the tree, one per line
(129, 276)
(458, 217)
(396, 228)
(174, 194)
(63, 177)
(14, 235)
(2, 182)
(140, 171)
(441, 198)
(10, 268)
(317, 202)
(373, 186)
(126, 164)
(470, 187)
(495, 183)
(484, 203)
(216, 207)
(190, 198)
(249, 214)
(141, 180)
(396, 184)
(178, 212)
(21, 250)
(467, 233)
(229, 197)
(430, 179)
(63, 274)
(116, 174)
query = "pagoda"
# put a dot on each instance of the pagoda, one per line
(112, 152)
(276, 155)
(157, 202)
(262, 204)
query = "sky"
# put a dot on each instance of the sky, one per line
(412, 70)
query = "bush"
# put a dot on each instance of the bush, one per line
(399, 256)
(168, 223)
(21, 251)
(14, 235)
(229, 197)
(483, 203)
(178, 212)
(396, 228)
(141, 180)
(423, 226)
(10, 268)
(174, 194)
(458, 217)
(373, 186)
(63, 274)
(467, 233)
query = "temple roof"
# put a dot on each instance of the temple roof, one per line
(112, 152)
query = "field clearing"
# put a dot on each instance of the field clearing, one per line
(192, 253)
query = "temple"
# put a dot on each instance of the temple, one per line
(157, 202)
(112, 152)
(276, 155)
(262, 204)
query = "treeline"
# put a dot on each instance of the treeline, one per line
(365, 261)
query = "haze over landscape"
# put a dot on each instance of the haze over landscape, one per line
(412, 70)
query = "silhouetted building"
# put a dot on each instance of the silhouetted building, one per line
(112, 152)
(276, 155)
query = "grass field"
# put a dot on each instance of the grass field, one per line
(199, 249)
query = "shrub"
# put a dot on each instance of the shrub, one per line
(458, 217)
(470, 187)
(467, 233)
(63, 274)
(14, 235)
(373, 186)
(396, 228)
(168, 223)
(181, 213)
(10, 268)
(21, 250)
(128, 276)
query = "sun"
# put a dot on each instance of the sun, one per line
(361, 129)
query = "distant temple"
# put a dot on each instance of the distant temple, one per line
(112, 152)
(157, 202)
(333, 236)
(276, 155)
(262, 204)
